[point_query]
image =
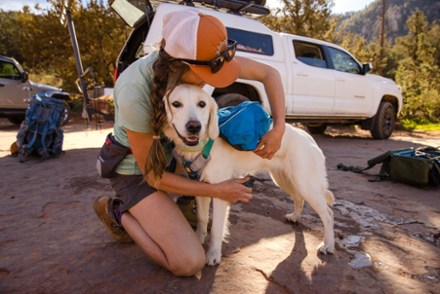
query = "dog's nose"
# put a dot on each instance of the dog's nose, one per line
(193, 127)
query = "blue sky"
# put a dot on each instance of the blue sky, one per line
(18, 4)
(341, 6)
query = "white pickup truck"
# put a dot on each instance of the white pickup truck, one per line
(324, 83)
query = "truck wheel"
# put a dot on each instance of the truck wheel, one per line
(384, 122)
(230, 99)
(16, 120)
(260, 2)
(317, 129)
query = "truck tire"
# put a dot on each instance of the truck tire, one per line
(230, 99)
(258, 2)
(384, 121)
(317, 129)
(16, 120)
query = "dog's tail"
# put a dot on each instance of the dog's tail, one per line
(329, 197)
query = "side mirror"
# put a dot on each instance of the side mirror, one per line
(24, 77)
(366, 67)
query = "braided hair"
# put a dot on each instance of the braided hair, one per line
(167, 75)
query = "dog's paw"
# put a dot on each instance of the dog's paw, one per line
(326, 249)
(291, 218)
(213, 256)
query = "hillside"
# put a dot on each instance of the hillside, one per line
(367, 22)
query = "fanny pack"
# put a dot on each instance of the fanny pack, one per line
(110, 155)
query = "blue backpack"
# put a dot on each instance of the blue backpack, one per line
(40, 133)
(244, 125)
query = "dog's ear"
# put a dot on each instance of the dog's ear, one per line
(213, 129)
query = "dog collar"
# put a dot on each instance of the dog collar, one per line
(193, 168)
(207, 149)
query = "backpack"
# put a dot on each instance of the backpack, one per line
(242, 126)
(40, 133)
(413, 166)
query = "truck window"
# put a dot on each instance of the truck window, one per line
(344, 62)
(9, 71)
(251, 42)
(310, 54)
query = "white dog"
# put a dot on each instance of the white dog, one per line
(298, 167)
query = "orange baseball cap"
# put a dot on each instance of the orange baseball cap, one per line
(191, 35)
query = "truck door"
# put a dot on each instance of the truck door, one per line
(313, 84)
(13, 91)
(353, 92)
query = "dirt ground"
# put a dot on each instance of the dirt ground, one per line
(387, 232)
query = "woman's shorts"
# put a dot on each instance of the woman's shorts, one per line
(130, 189)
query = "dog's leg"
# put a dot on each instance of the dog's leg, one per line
(328, 245)
(218, 231)
(284, 183)
(297, 210)
(319, 199)
(202, 217)
(320, 205)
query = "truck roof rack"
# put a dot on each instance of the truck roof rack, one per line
(134, 12)
(238, 7)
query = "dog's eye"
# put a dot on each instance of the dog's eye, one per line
(202, 104)
(176, 104)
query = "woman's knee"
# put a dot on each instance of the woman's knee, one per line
(188, 266)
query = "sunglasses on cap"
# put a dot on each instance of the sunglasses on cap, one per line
(217, 62)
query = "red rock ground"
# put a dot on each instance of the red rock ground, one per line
(52, 242)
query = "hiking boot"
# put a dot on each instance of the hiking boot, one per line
(14, 149)
(188, 206)
(103, 207)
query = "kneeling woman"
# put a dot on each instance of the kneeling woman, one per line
(195, 49)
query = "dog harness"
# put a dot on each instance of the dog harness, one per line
(194, 168)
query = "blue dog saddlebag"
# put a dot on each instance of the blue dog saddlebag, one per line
(244, 125)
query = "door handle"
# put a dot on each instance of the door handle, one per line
(302, 75)
(1, 85)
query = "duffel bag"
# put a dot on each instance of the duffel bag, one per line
(413, 166)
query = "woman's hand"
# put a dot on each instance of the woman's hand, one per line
(270, 143)
(270, 78)
(233, 190)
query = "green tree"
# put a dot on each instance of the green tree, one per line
(310, 18)
(357, 45)
(383, 63)
(100, 37)
(43, 44)
(418, 72)
(9, 32)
